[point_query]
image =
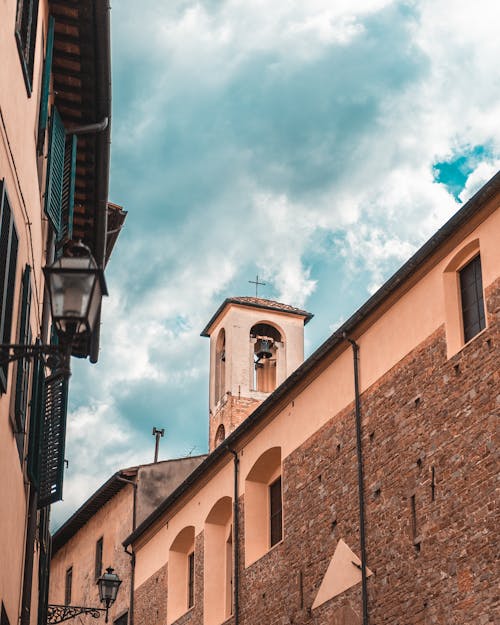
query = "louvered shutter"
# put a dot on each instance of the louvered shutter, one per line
(55, 172)
(8, 260)
(23, 365)
(26, 21)
(52, 439)
(44, 97)
(36, 415)
(68, 190)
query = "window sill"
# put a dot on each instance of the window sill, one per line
(270, 550)
(464, 345)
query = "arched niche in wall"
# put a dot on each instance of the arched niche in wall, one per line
(218, 563)
(265, 338)
(262, 505)
(180, 595)
(220, 366)
(220, 435)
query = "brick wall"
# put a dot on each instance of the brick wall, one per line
(428, 432)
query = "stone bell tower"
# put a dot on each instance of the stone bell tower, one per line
(255, 344)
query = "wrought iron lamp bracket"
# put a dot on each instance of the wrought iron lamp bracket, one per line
(60, 613)
(56, 357)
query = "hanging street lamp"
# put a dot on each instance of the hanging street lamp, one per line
(75, 286)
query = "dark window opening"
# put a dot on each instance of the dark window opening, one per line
(26, 21)
(3, 616)
(471, 290)
(8, 260)
(98, 558)
(220, 435)
(67, 587)
(122, 620)
(191, 580)
(276, 517)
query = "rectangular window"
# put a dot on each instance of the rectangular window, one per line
(191, 580)
(3, 616)
(98, 558)
(275, 511)
(8, 259)
(471, 290)
(67, 587)
(26, 20)
(122, 620)
(23, 366)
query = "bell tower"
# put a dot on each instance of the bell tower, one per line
(255, 344)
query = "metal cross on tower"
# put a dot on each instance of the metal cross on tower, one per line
(257, 283)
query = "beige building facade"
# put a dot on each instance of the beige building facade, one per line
(362, 489)
(91, 539)
(54, 165)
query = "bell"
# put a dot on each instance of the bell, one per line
(264, 349)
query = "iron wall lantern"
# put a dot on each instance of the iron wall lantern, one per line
(108, 585)
(75, 286)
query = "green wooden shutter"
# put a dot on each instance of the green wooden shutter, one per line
(68, 190)
(43, 115)
(55, 172)
(52, 439)
(23, 365)
(8, 260)
(36, 414)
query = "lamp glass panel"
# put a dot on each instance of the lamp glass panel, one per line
(70, 296)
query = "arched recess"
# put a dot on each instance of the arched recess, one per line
(263, 505)
(220, 435)
(453, 304)
(220, 366)
(218, 563)
(180, 595)
(265, 338)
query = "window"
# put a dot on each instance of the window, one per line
(98, 558)
(26, 20)
(220, 366)
(67, 586)
(180, 578)
(23, 366)
(191, 580)
(471, 292)
(220, 435)
(263, 505)
(275, 516)
(218, 562)
(122, 620)
(3, 616)
(8, 260)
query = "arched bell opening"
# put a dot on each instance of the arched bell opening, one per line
(266, 338)
(220, 366)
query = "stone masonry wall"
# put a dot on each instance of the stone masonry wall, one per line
(430, 476)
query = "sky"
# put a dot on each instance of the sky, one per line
(316, 144)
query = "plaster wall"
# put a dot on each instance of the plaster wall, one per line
(18, 168)
(112, 522)
(156, 481)
(417, 314)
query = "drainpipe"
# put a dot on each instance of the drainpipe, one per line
(359, 451)
(131, 553)
(236, 541)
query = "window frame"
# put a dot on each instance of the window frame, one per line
(25, 33)
(99, 548)
(68, 585)
(477, 302)
(276, 513)
(8, 268)
(190, 580)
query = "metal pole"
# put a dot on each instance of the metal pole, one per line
(359, 452)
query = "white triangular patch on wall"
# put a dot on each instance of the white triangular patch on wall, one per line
(340, 575)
